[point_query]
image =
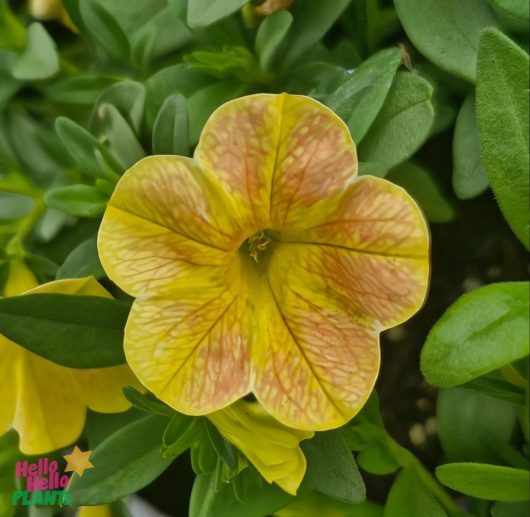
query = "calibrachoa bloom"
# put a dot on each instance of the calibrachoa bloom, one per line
(264, 265)
(271, 447)
(45, 402)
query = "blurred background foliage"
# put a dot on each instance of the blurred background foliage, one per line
(88, 87)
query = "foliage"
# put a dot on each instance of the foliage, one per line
(82, 100)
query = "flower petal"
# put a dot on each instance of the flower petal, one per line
(164, 224)
(9, 357)
(272, 155)
(271, 447)
(314, 364)
(371, 255)
(191, 351)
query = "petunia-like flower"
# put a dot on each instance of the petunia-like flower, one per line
(271, 447)
(46, 402)
(264, 265)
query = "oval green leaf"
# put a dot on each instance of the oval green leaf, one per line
(482, 331)
(502, 115)
(74, 331)
(79, 200)
(490, 482)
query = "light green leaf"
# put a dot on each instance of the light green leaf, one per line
(502, 115)
(491, 482)
(79, 90)
(39, 60)
(147, 402)
(125, 462)
(482, 331)
(82, 261)
(420, 184)
(513, 14)
(376, 459)
(170, 131)
(497, 388)
(409, 496)
(74, 331)
(360, 97)
(312, 19)
(121, 139)
(79, 200)
(205, 12)
(403, 123)
(271, 33)
(86, 150)
(331, 469)
(447, 32)
(459, 410)
(469, 176)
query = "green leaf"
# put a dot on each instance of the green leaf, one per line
(147, 402)
(205, 12)
(469, 176)
(360, 98)
(180, 433)
(255, 497)
(222, 447)
(447, 32)
(459, 410)
(125, 462)
(331, 469)
(482, 331)
(403, 123)
(79, 200)
(311, 20)
(409, 496)
(39, 60)
(121, 139)
(203, 103)
(271, 33)
(497, 388)
(420, 184)
(513, 14)
(170, 131)
(74, 331)
(82, 261)
(376, 459)
(84, 149)
(502, 115)
(99, 426)
(104, 29)
(84, 89)
(14, 206)
(491, 482)
(510, 510)
(9, 455)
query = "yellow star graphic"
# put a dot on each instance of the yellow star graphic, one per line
(77, 461)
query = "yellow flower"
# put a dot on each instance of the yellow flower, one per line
(45, 402)
(269, 6)
(104, 510)
(51, 10)
(264, 265)
(271, 447)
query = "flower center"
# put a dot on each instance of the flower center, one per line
(257, 244)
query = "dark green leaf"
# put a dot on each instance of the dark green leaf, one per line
(497, 388)
(181, 432)
(255, 497)
(492, 421)
(271, 33)
(125, 462)
(79, 200)
(147, 402)
(409, 496)
(74, 331)
(331, 469)
(469, 176)
(39, 60)
(482, 331)
(79, 90)
(82, 261)
(359, 99)
(170, 131)
(205, 12)
(491, 482)
(222, 447)
(510, 510)
(420, 184)
(447, 31)
(513, 14)
(104, 29)
(403, 123)
(312, 19)
(502, 115)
